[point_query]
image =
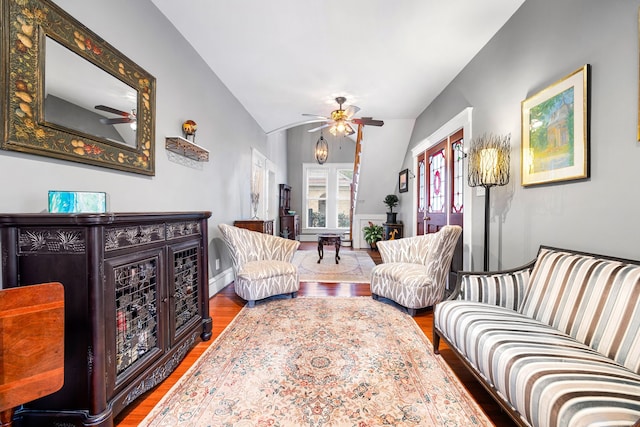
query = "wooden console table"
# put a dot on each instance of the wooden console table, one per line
(260, 225)
(328, 239)
(32, 345)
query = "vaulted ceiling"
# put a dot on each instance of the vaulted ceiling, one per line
(282, 58)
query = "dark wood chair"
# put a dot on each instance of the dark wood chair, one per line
(31, 345)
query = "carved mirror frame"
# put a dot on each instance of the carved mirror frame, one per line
(25, 26)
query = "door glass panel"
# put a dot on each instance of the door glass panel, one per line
(421, 191)
(437, 182)
(136, 311)
(185, 269)
(458, 183)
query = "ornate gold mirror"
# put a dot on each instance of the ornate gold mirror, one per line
(71, 95)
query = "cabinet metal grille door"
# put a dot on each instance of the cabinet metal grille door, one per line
(186, 296)
(136, 287)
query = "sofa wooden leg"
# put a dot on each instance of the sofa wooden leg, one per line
(251, 303)
(294, 294)
(436, 343)
(412, 311)
(375, 296)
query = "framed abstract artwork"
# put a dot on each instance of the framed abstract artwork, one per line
(403, 181)
(555, 131)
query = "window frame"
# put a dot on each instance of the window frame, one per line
(332, 197)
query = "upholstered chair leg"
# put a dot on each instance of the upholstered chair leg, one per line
(294, 294)
(412, 311)
(374, 296)
(436, 343)
(251, 303)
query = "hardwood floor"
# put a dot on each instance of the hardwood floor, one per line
(225, 305)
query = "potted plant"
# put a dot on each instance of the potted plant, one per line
(391, 200)
(372, 234)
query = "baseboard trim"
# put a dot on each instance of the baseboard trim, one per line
(219, 282)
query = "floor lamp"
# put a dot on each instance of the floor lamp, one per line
(489, 157)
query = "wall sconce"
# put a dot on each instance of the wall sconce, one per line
(189, 128)
(322, 150)
(489, 159)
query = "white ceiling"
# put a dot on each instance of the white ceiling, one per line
(281, 58)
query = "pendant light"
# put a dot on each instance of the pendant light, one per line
(322, 150)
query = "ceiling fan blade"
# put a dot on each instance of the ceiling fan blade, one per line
(367, 121)
(106, 121)
(111, 110)
(319, 127)
(351, 110)
(316, 116)
(292, 125)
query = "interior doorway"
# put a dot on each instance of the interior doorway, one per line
(440, 194)
(441, 189)
(263, 183)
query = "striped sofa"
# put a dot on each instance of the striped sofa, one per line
(556, 342)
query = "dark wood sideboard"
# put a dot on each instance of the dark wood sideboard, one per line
(136, 300)
(260, 225)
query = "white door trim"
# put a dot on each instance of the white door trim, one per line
(461, 120)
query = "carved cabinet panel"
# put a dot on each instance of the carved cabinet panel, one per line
(136, 300)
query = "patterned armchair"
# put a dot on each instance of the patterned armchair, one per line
(414, 270)
(261, 263)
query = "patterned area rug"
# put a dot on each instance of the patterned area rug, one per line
(319, 362)
(354, 267)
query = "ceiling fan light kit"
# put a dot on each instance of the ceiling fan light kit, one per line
(339, 120)
(341, 127)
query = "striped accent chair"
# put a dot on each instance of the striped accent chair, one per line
(261, 263)
(556, 342)
(414, 270)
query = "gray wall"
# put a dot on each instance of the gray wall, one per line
(544, 41)
(186, 89)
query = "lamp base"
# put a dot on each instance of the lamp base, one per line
(487, 212)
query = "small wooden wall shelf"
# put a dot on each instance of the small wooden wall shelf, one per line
(184, 147)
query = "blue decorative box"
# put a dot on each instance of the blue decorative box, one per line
(77, 202)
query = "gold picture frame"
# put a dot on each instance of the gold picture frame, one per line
(555, 131)
(31, 29)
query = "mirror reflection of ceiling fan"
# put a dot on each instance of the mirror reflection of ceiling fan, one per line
(341, 119)
(124, 116)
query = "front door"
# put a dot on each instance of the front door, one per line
(436, 188)
(440, 189)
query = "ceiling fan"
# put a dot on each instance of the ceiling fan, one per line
(125, 117)
(340, 119)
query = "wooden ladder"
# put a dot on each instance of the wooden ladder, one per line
(354, 182)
